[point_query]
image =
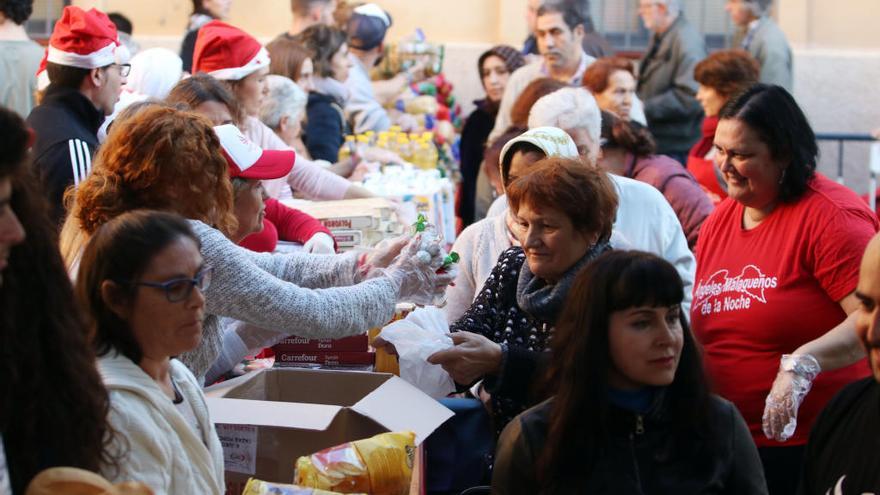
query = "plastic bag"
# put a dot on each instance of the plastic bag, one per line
(422, 333)
(381, 465)
(257, 487)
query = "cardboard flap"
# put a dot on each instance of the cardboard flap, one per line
(399, 406)
(265, 413)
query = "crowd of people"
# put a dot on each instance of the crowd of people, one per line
(656, 293)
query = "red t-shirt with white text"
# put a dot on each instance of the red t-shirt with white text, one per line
(763, 292)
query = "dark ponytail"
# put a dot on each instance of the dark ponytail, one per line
(621, 134)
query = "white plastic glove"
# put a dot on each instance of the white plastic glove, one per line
(414, 275)
(795, 377)
(371, 263)
(320, 243)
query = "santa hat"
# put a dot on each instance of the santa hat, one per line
(85, 39)
(247, 160)
(228, 53)
(42, 75)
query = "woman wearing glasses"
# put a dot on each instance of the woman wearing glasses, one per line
(141, 280)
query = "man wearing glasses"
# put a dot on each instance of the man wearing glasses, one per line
(86, 67)
(666, 77)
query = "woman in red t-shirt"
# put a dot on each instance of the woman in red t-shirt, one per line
(777, 266)
(721, 76)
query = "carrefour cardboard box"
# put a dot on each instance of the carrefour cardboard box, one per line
(267, 419)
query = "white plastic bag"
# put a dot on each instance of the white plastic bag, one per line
(422, 333)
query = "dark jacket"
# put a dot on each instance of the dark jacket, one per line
(643, 455)
(473, 143)
(66, 124)
(187, 48)
(496, 316)
(678, 186)
(326, 127)
(668, 89)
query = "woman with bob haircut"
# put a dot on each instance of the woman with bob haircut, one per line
(721, 76)
(631, 411)
(169, 160)
(777, 267)
(612, 80)
(563, 212)
(53, 408)
(142, 279)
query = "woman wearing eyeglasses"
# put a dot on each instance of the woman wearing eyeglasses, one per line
(141, 279)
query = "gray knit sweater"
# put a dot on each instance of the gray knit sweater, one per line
(307, 295)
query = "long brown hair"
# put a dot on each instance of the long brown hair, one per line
(53, 405)
(578, 374)
(162, 159)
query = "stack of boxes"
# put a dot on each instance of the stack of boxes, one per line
(346, 353)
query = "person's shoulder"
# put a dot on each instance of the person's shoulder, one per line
(720, 407)
(826, 194)
(637, 192)
(849, 395)
(770, 31)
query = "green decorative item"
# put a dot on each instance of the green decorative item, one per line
(421, 223)
(451, 258)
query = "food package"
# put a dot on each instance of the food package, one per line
(257, 487)
(381, 465)
(422, 333)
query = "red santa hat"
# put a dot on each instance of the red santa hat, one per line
(42, 75)
(228, 53)
(86, 39)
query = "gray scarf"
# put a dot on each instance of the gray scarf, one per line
(544, 301)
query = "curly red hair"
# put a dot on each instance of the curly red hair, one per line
(162, 159)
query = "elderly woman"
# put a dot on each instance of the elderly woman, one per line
(327, 127)
(631, 411)
(628, 150)
(721, 76)
(170, 160)
(612, 81)
(563, 215)
(143, 282)
(777, 266)
(283, 111)
(494, 66)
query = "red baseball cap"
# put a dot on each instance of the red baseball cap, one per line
(249, 161)
(228, 53)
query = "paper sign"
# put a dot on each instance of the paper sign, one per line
(239, 447)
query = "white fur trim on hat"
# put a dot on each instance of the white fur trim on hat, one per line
(260, 60)
(101, 58)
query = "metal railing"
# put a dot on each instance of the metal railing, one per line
(873, 162)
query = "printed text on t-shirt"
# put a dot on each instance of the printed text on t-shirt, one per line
(720, 292)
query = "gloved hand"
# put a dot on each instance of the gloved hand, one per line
(795, 377)
(371, 263)
(320, 243)
(414, 272)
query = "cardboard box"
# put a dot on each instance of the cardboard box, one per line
(355, 343)
(324, 358)
(267, 419)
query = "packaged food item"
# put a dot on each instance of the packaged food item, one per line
(381, 465)
(257, 487)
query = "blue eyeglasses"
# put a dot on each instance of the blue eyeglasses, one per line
(179, 289)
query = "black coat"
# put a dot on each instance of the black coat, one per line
(326, 127)
(66, 124)
(473, 143)
(643, 456)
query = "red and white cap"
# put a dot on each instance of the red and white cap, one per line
(228, 53)
(249, 161)
(85, 39)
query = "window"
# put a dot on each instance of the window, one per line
(42, 21)
(619, 22)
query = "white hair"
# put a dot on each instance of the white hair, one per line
(285, 99)
(569, 109)
(672, 6)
